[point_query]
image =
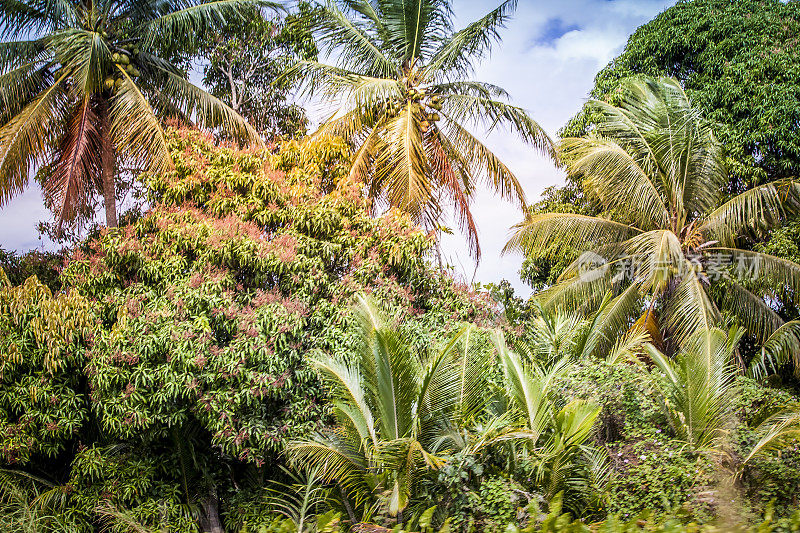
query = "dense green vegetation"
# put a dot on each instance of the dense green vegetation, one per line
(669, 251)
(739, 64)
(265, 343)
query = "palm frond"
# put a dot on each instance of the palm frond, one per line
(348, 388)
(333, 459)
(699, 381)
(143, 141)
(207, 110)
(22, 19)
(614, 317)
(779, 348)
(628, 346)
(777, 432)
(451, 170)
(755, 210)
(196, 19)
(479, 89)
(690, 310)
(528, 387)
(28, 137)
(78, 165)
(298, 501)
(778, 274)
(85, 55)
(16, 53)
(479, 110)
(415, 27)
(483, 162)
(750, 310)
(20, 85)
(455, 56)
(538, 232)
(335, 30)
(403, 165)
(617, 178)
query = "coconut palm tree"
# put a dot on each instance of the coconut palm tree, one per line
(85, 86)
(666, 246)
(397, 410)
(404, 99)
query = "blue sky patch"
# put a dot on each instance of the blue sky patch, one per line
(552, 30)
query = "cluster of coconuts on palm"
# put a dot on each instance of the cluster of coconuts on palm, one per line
(123, 60)
(430, 105)
(433, 105)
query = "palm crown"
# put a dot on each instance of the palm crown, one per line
(406, 104)
(669, 239)
(85, 85)
(395, 410)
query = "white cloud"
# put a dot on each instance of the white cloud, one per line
(19, 218)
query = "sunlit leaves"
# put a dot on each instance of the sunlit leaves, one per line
(660, 173)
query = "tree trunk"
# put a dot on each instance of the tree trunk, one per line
(108, 162)
(210, 522)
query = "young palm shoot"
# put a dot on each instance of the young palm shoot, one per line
(397, 411)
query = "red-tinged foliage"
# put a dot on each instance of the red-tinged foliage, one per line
(200, 315)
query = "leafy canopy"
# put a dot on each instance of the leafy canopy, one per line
(245, 60)
(405, 101)
(740, 64)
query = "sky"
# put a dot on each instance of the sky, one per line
(550, 52)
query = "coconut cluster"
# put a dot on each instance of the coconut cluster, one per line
(429, 104)
(124, 59)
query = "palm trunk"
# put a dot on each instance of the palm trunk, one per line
(108, 163)
(210, 522)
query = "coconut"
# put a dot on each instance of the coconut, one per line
(109, 83)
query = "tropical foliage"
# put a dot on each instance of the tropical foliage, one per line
(266, 345)
(406, 104)
(739, 63)
(667, 246)
(184, 362)
(85, 87)
(245, 60)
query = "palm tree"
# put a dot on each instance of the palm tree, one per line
(555, 438)
(558, 335)
(666, 246)
(85, 85)
(698, 383)
(405, 103)
(396, 411)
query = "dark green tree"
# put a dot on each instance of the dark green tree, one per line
(739, 63)
(245, 61)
